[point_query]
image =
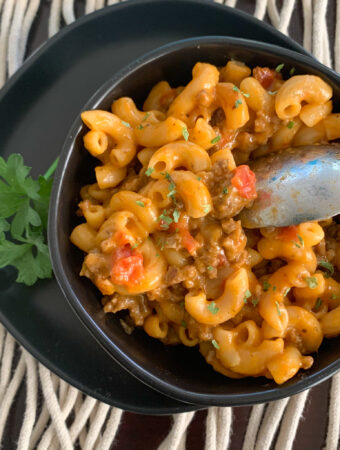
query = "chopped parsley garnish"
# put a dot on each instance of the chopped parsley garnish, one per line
(286, 292)
(199, 178)
(238, 102)
(140, 203)
(301, 240)
(318, 304)
(290, 124)
(165, 219)
(292, 71)
(296, 244)
(278, 308)
(312, 282)
(161, 244)
(266, 285)
(247, 294)
(126, 124)
(255, 301)
(210, 268)
(274, 288)
(172, 192)
(215, 140)
(149, 171)
(157, 255)
(328, 266)
(334, 296)
(184, 324)
(185, 133)
(215, 344)
(272, 92)
(176, 215)
(225, 191)
(140, 126)
(206, 209)
(279, 67)
(145, 117)
(213, 308)
(135, 245)
(236, 89)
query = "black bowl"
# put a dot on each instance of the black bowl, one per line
(178, 372)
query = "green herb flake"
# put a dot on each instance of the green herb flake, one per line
(166, 219)
(236, 89)
(238, 102)
(126, 124)
(274, 288)
(149, 171)
(140, 203)
(206, 209)
(185, 133)
(317, 305)
(290, 124)
(266, 285)
(328, 266)
(272, 92)
(213, 308)
(301, 241)
(145, 117)
(215, 344)
(140, 127)
(292, 71)
(279, 67)
(245, 94)
(286, 292)
(334, 296)
(157, 255)
(199, 178)
(247, 294)
(312, 282)
(176, 215)
(296, 244)
(184, 324)
(135, 246)
(210, 268)
(225, 191)
(278, 308)
(255, 301)
(215, 140)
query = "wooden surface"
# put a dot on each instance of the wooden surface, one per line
(139, 432)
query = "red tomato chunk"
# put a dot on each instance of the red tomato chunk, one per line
(288, 233)
(245, 181)
(265, 76)
(127, 266)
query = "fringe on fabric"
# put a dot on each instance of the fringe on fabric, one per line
(94, 425)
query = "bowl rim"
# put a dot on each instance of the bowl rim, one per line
(155, 382)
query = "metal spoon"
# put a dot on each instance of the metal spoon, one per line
(295, 185)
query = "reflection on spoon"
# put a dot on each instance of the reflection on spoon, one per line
(295, 185)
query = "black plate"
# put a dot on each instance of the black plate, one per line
(37, 107)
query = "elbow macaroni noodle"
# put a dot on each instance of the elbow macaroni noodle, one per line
(161, 236)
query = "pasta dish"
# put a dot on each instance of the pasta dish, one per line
(161, 235)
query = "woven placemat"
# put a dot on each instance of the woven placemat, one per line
(56, 414)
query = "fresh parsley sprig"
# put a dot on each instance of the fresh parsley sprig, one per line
(23, 219)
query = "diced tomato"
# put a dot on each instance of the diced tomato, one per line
(188, 241)
(122, 238)
(288, 233)
(127, 267)
(245, 181)
(265, 76)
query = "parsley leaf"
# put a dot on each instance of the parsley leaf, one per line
(126, 124)
(213, 308)
(247, 294)
(149, 171)
(140, 203)
(266, 285)
(279, 67)
(272, 92)
(255, 301)
(215, 344)
(312, 282)
(278, 308)
(238, 102)
(206, 209)
(24, 202)
(328, 266)
(210, 268)
(185, 133)
(317, 305)
(215, 140)
(292, 71)
(285, 293)
(225, 191)
(290, 124)
(176, 215)
(145, 117)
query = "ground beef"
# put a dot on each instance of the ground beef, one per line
(138, 306)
